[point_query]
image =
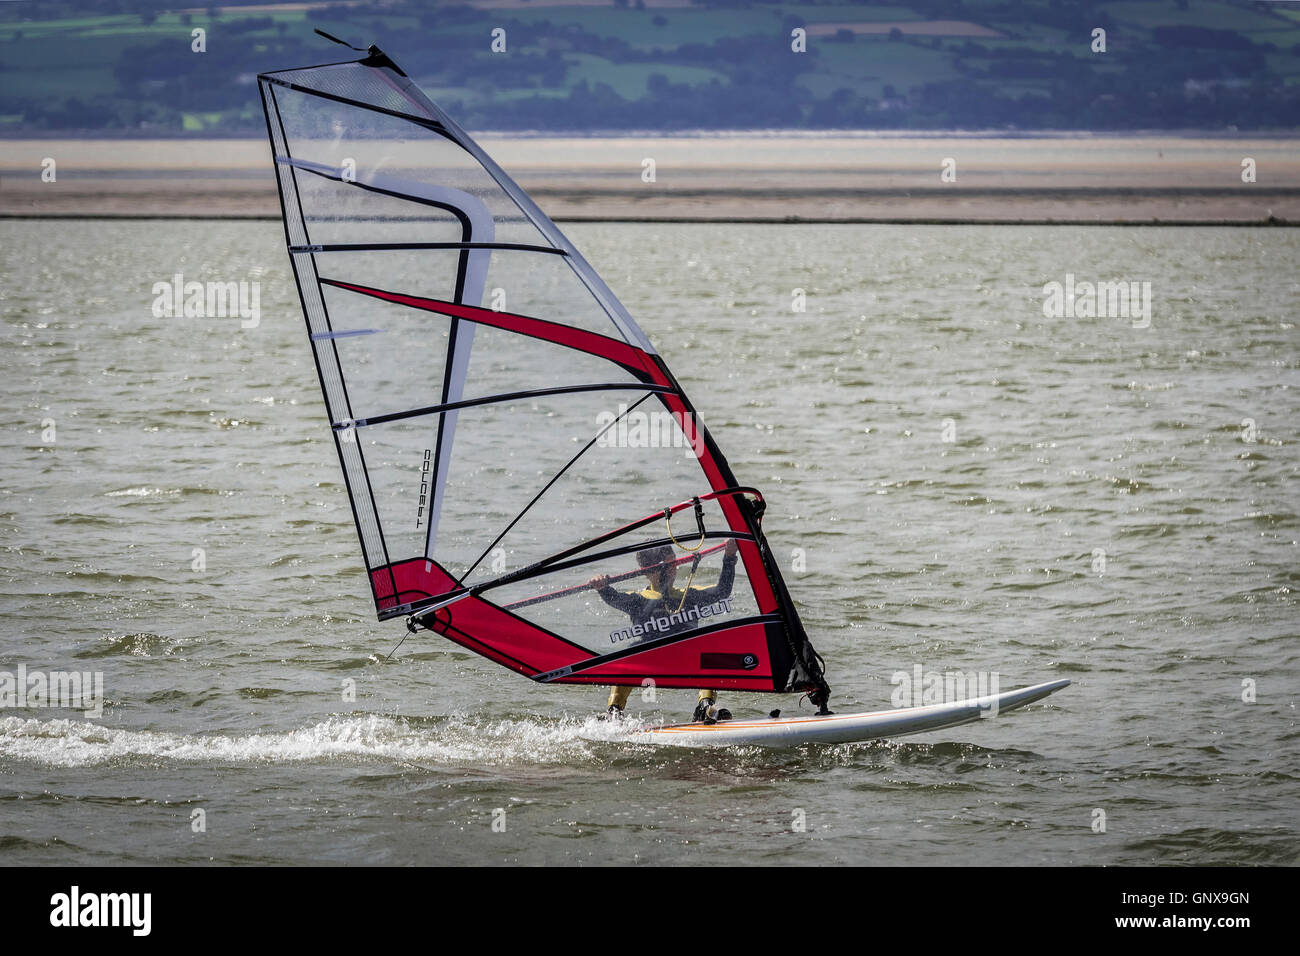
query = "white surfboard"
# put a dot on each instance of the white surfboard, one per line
(844, 728)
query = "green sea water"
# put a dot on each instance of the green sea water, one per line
(955, 480)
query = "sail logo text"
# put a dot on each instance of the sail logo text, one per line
(633, 429)
(921, 687)
(1101, 300)
(74, 690)
(212, 300)
(424, 486)
(665, 623)
(134, 910)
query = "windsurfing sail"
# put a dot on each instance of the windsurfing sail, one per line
(506, 430)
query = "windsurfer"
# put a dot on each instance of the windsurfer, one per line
(662, 602)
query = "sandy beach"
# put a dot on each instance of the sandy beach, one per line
(796, 177)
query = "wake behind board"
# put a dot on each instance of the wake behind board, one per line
(843, 728)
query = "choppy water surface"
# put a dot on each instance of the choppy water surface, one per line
(1096, 515)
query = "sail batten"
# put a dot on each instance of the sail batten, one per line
(494, 399)
(507, 432)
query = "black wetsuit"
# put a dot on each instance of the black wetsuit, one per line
(650, 605)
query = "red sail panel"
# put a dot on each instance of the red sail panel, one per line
(737, 657)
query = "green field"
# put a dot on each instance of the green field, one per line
(629, 80)
(869, 64)
(730, 64)
(1199, 13)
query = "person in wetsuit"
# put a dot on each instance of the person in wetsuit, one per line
(661, 600)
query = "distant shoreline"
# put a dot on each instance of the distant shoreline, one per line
(1110, 180)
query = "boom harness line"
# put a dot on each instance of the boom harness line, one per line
(695, 563)
(699, 523)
